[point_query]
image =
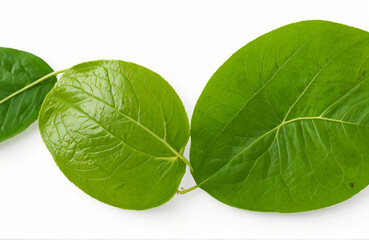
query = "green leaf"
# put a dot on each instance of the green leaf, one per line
(283, 125)
(20, 102)
(117, 131)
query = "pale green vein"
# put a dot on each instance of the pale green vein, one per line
(262, 87)
(31, 85)
(267, 133)
(316, 76)
(176, 153)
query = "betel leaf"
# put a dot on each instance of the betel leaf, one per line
(117, 130)
(20, 100)
(283, 125)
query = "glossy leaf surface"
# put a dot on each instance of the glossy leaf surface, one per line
(117, 130)
(283, 125)
(17, 70)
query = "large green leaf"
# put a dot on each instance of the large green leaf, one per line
(283, 125)
(117, 130)
(19, 108)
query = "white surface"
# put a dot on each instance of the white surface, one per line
(185, 42)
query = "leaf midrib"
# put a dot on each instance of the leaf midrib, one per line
(263, 86)
(177, 155)
(277, 128)
(32, 84)
(302, 94)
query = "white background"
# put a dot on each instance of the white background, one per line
(185, 42)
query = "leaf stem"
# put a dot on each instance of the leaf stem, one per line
(178, 154)
(185, 161)
(188, 189)
(32, 84)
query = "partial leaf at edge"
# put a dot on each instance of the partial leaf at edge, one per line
(17, 70)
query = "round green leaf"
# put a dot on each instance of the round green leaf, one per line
(283, 125)
(117, 131)
(18, 109)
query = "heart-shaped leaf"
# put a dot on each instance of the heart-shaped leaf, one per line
(20, 100)
(283, 125)
(117, 130)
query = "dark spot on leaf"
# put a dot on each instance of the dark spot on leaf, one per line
(352, 184)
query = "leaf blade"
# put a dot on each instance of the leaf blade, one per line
(115, 129)
(267, 88)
